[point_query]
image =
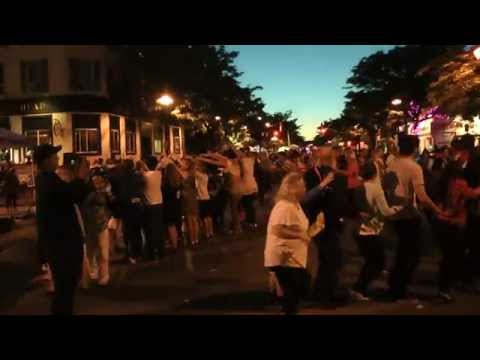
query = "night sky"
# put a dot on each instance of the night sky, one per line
(307, 79)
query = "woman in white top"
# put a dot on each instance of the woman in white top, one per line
(368, 238)
(287, 242)
(204, 202)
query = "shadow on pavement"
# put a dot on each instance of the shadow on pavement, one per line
(242, 301)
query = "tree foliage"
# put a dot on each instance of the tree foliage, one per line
(457, 86)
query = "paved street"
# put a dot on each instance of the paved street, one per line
(224, 277)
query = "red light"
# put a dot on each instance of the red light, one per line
(275, 133)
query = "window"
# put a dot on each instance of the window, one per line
(34, 76)
(130, 136)
(86, 133)
(39, 128)
(2, 80)
(4, 122)
(176, 140)
(115, 134)
(84, 75)
(87, 141)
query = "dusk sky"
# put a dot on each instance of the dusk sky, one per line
(307, 79)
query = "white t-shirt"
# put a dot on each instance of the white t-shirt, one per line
(409, 175)
(249, 183)
(153, 187)
(286, 252)
(201, 182)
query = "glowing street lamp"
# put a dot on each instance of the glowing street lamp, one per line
(476, 52)
(396, 102)
(218, 118)
(267, 125)
(259, 118)
(165, 100)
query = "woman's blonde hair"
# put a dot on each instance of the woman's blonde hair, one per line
(288, 187)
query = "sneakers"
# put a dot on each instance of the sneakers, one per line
(359, 297)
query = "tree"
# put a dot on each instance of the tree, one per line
(379, 78)
(203, 80)
(456, 88)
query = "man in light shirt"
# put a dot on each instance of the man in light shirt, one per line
(411, 187)
(153, 220)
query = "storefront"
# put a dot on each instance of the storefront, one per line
(433, 135)
(94, 132)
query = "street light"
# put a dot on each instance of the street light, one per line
(165, 100)
(396, 102)
(259, 118)
(218, 118)
(476, 52)
(267, 125)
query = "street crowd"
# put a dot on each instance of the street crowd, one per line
(356, 194)
(156, 206)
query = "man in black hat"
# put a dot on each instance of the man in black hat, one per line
(58, 225)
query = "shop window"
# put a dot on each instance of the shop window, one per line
(115, 134)
(86, 133)
(176, 140)
(85, 75)
(34, 76)
(4, 122)
(130, 136)
(38, 128)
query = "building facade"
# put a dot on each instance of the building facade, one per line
(59, 95)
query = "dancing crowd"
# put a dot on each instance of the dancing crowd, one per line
(348, 194)
(152, 208)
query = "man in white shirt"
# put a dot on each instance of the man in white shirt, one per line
(153, 221)
(411, 187)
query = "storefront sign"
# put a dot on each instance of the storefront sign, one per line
(34, 108)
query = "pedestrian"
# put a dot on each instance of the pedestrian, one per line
(58, 224)
(190, 208)
(407, 224)
(368, 239)
(249, 186)
(334, 204)
(131, 197)
(153, 221)
(96, 214)
(205, 204)
(451, 230)
(172, 195)
(287, 243)
(11, 188)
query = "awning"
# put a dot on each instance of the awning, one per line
(10, 139)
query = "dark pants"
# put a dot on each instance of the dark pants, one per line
(153, 227)
(219, 205)
(472, 257)
(66, 276)
(407, 256)
(248, 204)
(452, 245)
(329, 263)
(372, 251)
(132, 230)
(294, 283)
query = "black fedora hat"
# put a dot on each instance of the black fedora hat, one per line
(44, 151)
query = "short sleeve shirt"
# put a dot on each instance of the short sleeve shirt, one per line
(286, 252)
(409, 175)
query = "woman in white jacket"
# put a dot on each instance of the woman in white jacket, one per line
(368, 238)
